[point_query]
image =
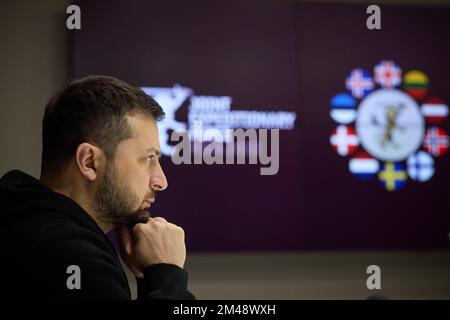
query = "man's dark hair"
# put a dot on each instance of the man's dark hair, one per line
(91, 109)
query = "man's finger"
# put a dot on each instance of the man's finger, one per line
(160, 219)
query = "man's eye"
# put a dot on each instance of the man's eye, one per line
(150, 158)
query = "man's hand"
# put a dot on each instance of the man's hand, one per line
(156, 241)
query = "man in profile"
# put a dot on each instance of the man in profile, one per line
(100, 171)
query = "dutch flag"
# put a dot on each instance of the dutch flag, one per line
(363, 166)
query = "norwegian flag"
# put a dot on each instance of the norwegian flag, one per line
(359, 83)
(434, 110)
(344, 140)
(436, 141)
(388, 74)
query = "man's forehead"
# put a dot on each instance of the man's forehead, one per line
(144, 132)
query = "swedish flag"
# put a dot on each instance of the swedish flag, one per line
(392, 176)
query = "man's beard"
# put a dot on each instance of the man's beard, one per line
(116, 203)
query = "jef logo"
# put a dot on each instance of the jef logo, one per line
(213, 113)
(389, 133)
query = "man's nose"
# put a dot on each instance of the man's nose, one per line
(158, 181)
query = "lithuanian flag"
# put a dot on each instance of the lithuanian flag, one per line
(416, 84)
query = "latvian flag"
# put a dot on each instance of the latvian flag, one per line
(420, 166)
(387, 74)
(343, 108)
(416, 84)
(344, 140)
(363, 166)
(434, 110)
(436, 141)
(359, 83)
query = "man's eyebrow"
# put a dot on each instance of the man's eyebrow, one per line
(156, 151)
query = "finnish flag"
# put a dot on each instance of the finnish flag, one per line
(420, 166)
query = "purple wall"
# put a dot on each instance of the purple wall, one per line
(294, 57)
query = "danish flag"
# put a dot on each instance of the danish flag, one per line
(344, 140)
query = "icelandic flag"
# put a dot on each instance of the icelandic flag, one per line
(434, 110)
(363, 166)
(392, 175)
(420, 166)
(359, 82)
(343, 108)
(388, 74)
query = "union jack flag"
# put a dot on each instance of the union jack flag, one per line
(388, 74)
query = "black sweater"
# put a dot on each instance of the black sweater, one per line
(42, 233)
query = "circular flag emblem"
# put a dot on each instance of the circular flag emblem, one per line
(392, 176)
(420, 166)
(359, 82)
(387, 74)
(390, 125)
(416, 84)
(363, 166)
(434, 110)
(436, 141)
(344, 140)
(343, 108)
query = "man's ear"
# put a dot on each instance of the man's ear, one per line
(88, 158)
